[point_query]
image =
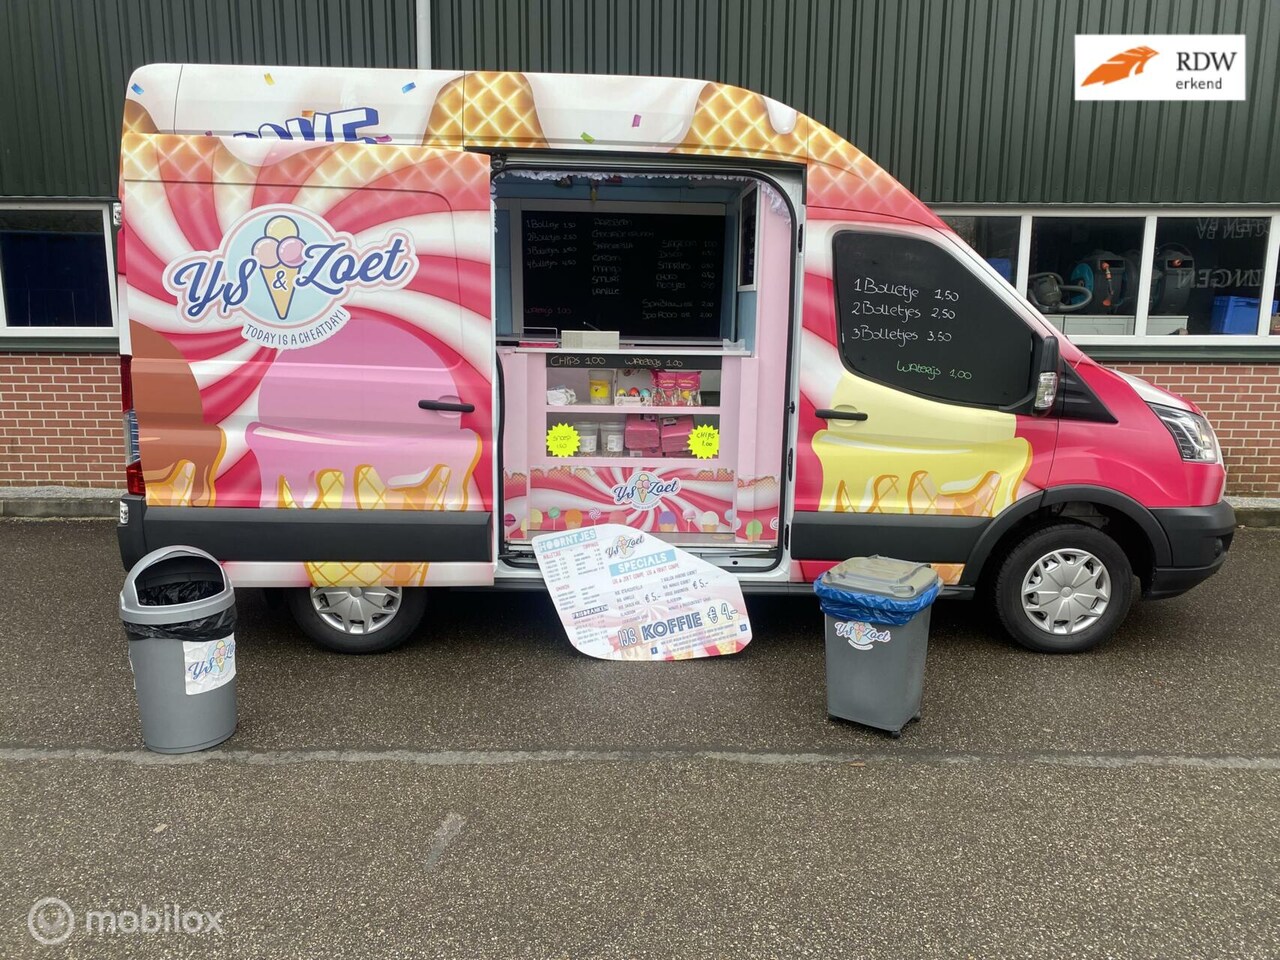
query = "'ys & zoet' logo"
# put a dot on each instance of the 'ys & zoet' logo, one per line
(282, 273)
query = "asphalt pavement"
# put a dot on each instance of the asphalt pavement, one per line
(488, 792)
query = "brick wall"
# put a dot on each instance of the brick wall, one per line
(1243, 402)
(60, 420)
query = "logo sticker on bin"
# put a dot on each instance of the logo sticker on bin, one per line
(209, 663)
(861, 636)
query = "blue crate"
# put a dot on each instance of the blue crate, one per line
(1236, 315)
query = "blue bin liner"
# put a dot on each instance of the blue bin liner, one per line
(842, 604)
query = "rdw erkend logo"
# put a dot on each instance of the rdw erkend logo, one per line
(1164, 66)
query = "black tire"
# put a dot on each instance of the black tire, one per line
(385, 636)
(1040, 544)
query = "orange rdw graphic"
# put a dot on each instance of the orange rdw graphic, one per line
(1121, 66)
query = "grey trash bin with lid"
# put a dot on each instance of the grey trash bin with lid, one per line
(877, 615)
(179, 614)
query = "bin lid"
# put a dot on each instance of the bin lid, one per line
(882, 576)
(202, 566)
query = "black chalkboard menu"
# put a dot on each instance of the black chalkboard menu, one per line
(915, 317)
(655, 275)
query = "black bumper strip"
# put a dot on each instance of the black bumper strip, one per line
(925, 538)
(386, 536)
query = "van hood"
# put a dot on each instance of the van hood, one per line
(1150, 393)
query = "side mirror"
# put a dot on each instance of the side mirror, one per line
(1049, 374)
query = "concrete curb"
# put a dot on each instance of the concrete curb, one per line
(57, 508)
(78, 505)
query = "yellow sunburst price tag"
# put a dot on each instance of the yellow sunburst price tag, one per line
(704, 441)
(562, 440)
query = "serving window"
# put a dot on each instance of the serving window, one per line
(658, 258)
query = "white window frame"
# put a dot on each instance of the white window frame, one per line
(106, 334)
(1149, 216)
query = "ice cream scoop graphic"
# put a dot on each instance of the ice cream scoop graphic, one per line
(280, 253)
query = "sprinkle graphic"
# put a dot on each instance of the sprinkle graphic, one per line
(308, 113)
(587, 137)
(408, 86)
(383, 138)
(635, 121)
(267, 77)
(135, 88)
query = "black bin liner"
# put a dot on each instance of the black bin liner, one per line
(176, 592)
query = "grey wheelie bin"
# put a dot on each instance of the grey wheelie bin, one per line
(179, 613)
(877, 612)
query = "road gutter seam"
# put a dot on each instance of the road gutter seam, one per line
(489, 758)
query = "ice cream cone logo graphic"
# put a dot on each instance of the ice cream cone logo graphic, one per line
(282, 274)
(280, 254)
(644, 491)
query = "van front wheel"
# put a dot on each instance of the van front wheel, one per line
(1063, 589)
(358, 619)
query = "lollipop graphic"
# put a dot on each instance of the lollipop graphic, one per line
(280, 253)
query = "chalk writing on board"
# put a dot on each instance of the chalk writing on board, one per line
(647, 275)
(913, 315)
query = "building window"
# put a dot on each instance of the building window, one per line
(55, 270)
(1108, 276)
(1206, 275)
(995, 238)
(1085, 272)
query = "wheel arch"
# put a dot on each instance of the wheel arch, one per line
(1124, 519)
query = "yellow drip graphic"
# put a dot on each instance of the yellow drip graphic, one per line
(918, 456)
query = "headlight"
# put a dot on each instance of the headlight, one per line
(1191, 432)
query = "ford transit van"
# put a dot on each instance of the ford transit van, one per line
(383, 328)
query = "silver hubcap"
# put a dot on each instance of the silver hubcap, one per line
(1066, 591)
(356, 610)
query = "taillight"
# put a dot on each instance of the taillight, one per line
(126, 383)
(134, 482)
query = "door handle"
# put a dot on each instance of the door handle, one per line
(447, 405)
(840, 414)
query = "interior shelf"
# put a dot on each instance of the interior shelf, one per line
(581, 408)
(640, 463)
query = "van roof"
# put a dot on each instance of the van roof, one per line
(526, 111)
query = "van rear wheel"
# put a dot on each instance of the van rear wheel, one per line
(1063, 589)
(358, 619)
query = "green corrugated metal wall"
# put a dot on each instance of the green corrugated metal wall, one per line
(965, 101)
(962, 100)
(67, 63)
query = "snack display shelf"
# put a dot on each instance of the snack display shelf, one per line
(645, 351)
(615, 408)
(622, 461)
